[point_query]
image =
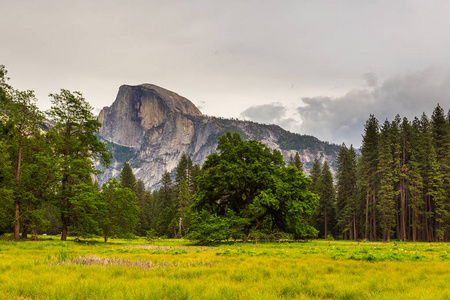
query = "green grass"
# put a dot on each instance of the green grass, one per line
(176, 269)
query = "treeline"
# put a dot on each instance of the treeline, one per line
(397, 187)
(166, 211)
(47, 174)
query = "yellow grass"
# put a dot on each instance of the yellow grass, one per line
(170, 269)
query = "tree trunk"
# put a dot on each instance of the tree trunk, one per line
(326, 223)
(17, 206)
(64, 231)
(374, 215)
(246, 234)
(16, 221)
(24, 231)
(414, 220)
(403, 208)
(367, 217)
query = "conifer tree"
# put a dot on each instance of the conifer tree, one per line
(431, 179)
(327, 203)
(184, 203)
(385, 170)
(166, 190)
(415, 179)
(119, 210)
(346, 192)
(181, 171)
(315, 173)
(24, 118)
(441, 142)
(75, 147)
(127, 178)
(368, 178)
(295, 161)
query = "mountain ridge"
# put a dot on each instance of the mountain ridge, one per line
(150, 127)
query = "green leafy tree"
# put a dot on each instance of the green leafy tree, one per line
(119, 210)
(247, 180)
(6, 192)
(24, 117)
(4, 86)
(75, 147)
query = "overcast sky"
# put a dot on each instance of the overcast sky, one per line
(313, 67)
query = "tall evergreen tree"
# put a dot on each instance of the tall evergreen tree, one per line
(295, 161)
(181, 171)
(441, 142)
(326, 212)
(385, 170)
(431, 180)
(166, 190)
(368, 178)
(119, 210)
(415, 179)
(316, 171)
(184, 203)
(127, 178)
(24, 118)
(346, 192)
(75, 147)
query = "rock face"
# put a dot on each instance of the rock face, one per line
(150, 127)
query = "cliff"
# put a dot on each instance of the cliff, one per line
(150, 127)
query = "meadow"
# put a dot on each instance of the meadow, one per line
(177, 269)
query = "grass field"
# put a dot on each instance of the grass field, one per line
(176, 269)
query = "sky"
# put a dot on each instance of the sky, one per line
(313, 67)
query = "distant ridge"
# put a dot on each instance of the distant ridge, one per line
(150, 127)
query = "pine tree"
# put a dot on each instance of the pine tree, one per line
(431, 179)
(76, 147)
(385, 170)
(415, 179)
(144, 202)
(316, 170)
(368, 179)
(295, 161)
(327, 203)
(127, 178)
(181, 171)
(166, 191)
(346, 192)
(184, 203)
(441, 142)
(24, 117)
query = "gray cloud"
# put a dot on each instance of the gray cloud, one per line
(274, 113)
(342, 119)
(371, 79)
